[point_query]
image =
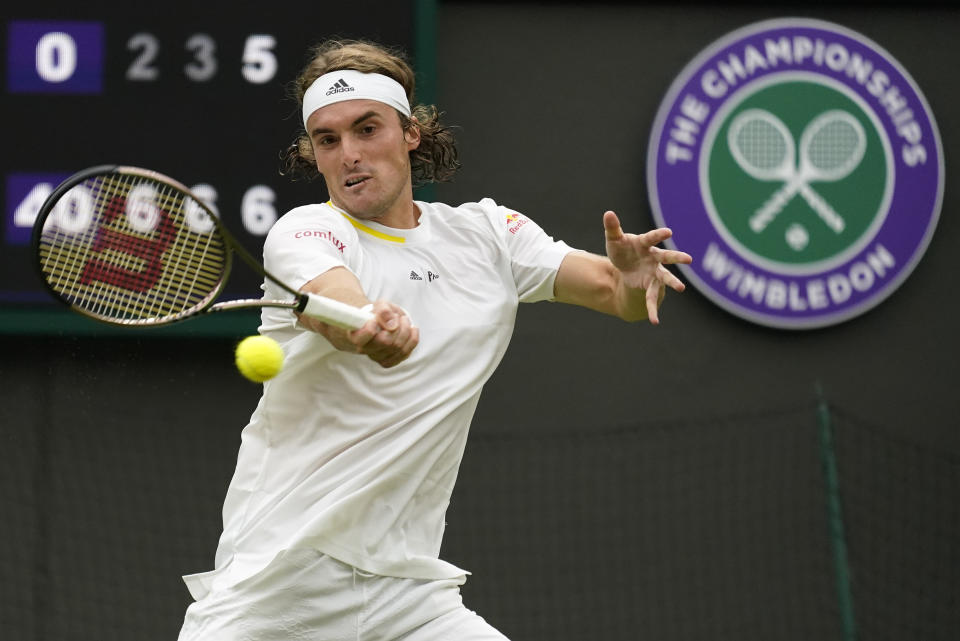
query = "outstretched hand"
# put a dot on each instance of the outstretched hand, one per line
(641, 262)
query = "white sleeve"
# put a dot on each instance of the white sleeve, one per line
(535, 256)
(307, 242)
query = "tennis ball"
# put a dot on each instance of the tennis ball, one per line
(259, 358)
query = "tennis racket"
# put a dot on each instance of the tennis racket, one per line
(133, 247)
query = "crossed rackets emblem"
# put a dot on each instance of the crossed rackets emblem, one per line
(831, 147)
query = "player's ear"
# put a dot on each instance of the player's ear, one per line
(411, 134)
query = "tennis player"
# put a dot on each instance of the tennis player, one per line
(334, 517)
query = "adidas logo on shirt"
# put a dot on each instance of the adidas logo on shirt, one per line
(339, 86)
(430, 276)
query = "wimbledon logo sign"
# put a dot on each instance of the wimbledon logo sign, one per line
(800, 165)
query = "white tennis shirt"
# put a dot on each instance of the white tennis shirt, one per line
(353, 459)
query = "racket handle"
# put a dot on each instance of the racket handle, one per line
(334, 312)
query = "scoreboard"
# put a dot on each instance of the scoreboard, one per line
(199, 91)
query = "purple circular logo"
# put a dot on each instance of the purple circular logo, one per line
(801, 166)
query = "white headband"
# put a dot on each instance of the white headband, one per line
(348, 84)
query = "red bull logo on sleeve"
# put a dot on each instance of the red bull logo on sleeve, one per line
(515, 221)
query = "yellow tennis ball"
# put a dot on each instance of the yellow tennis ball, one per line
(259, 358)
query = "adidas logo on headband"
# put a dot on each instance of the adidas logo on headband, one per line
(339, 87)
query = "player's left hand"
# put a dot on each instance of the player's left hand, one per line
(641, 262)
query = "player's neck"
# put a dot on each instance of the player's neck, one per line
(404, 214)
(401, 213)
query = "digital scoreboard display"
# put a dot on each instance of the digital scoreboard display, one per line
(198, 91)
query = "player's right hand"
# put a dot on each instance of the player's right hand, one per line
(388, 338)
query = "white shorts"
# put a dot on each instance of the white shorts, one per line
(305, 595)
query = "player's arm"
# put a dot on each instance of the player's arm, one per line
(629, 282)
(388, 339)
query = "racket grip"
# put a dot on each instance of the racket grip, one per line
(334, 312)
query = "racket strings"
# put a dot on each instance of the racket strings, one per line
(139, 267)
(59, 260)
(191, 277)
(121, 246)
(130, 270)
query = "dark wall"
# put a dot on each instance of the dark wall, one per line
(706, 549)
(115, 457)
(623, 481)
(535, 139)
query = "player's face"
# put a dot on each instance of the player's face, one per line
(364, 156)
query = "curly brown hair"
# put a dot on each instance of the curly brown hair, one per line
(436, 158)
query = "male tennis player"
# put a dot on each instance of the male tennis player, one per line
(334, 517)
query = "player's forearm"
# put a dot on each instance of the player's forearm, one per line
(339, 284)
(591, 281)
